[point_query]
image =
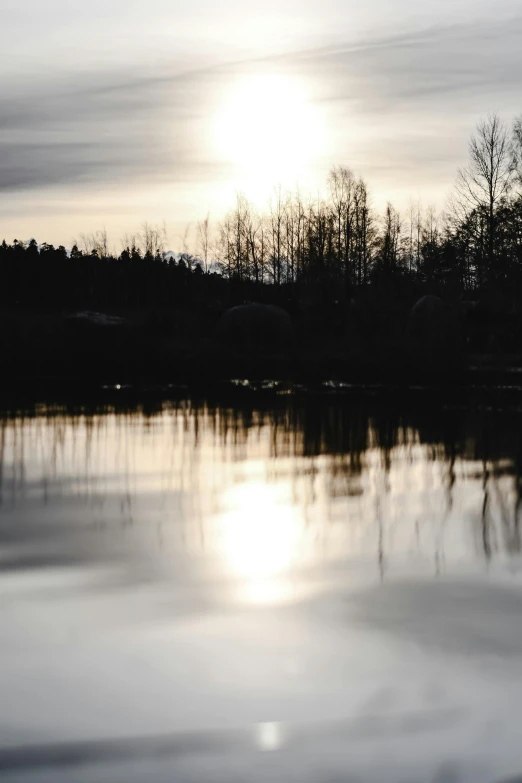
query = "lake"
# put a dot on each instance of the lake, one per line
(261, 586)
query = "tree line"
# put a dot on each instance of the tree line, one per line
(332, 245)
(474, 244)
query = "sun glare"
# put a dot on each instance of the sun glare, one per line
(259, 539)
(269, 129)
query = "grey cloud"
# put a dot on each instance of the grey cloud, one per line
(28, 165)
(113, 127)
(40, 164)
(418, 96)
(103, 129)
(465, 60)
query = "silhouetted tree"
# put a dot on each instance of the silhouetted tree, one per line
(484, 182)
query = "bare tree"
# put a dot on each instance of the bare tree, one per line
(412, 213)
(226, 245)
(203, 236)
(277, 209)
(253, 241)
(391, 239)
(517, 151)
(299, 236)
(431, 226)
(487, 178)
(364, 231)
(152, 240)
(96, 243)
(185, 240)
(342, 185)
(129, 241)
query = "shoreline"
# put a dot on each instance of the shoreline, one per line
(471, 388)
(46, 353)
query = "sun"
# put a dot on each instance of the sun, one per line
(268, 128)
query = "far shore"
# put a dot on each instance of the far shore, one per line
(42, 355)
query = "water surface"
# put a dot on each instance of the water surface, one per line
(333, 578)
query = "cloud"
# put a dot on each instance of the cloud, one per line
(417, 90)
(102, 128)
(464, 60)
(407, 104)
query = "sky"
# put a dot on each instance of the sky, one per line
(115, 112)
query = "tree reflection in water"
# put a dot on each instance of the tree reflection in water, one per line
(256, 492)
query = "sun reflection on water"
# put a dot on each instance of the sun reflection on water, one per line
(259, 537)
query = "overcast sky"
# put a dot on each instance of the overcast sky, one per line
(113, 112)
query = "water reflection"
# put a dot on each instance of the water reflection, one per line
(259, 501)
(258, 536)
